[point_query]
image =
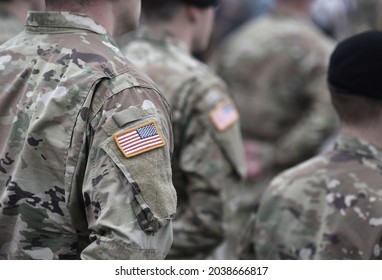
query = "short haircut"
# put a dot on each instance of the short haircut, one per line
(160, 9)
(355, 110)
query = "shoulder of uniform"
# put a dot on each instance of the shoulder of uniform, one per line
(206, 77)
(313, 168)
(137, 77)
(117, 86)
(205, 89)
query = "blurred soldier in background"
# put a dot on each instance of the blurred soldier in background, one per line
(208, 163)
(260, 7)
(85, 140)
(12, 16)
(366, 16)
(230, 15)
(342, 18)
(275, 67)
(330, 207)
(332, 16)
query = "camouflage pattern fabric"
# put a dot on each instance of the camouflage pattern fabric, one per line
(326, 208)
(10, 26)
(208, 161)
(66, 189)
(275, 67)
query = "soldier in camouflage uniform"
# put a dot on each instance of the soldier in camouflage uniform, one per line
(208, 154)
(330, 207)
(12, 15)
(275, 68)
(85, 141)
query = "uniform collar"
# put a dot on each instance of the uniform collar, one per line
(358, 146)
(61, 22)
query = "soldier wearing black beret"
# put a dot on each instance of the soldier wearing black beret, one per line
(330, 206)
(355, 71)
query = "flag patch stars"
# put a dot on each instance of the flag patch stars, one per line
(224, 115)
(140, 139)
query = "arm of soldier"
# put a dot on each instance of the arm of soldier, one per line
(213, 163)
(308, 136)
(129, 201)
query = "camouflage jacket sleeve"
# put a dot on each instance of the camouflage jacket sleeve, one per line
(211, 166)
(306, 213)
(128, 193)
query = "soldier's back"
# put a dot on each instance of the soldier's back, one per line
(268, 64)
(275, 67)
(326, 208)
(208, 153)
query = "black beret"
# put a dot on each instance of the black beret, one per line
(355, 66)
(202, 3)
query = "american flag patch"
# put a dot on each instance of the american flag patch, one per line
(140, 139)
(224, 115)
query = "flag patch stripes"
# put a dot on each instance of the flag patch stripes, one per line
(140, 139)
(224, 115)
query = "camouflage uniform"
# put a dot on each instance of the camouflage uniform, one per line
(207, 158)
(10, 25)
(67, 189)
(327, 208)
(275, 67)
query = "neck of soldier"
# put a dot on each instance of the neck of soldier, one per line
(371, 133)
(177, 28)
